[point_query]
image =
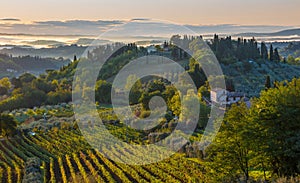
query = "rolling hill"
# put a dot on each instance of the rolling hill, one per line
(289, 32)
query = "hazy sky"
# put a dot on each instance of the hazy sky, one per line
(198, 12)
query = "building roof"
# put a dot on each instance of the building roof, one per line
(235, 94)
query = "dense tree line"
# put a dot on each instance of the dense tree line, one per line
(226, 49)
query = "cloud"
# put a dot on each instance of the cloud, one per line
(10, 19)
(78, 23)
(137, 26)
(140, 19)
(69, 27)
(234, 28)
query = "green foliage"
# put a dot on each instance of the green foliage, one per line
(17, 101)
(3, 91)
(54, 98)
(43, 85)
(145, 114)
(260, 138)
(136, 89)
(276, 55)
(197, 74)
(34, 97)
(264, 51)
(271, 53)
(4, 82)
(232, 148)
(146, 97)
(103, 92)
(8, 125)
(27, 78)
(189, 100)
(156, 85)
(276, 114)
(228, 50)
(268, 82)
(292, 60)
(175, 104)
(122, 54)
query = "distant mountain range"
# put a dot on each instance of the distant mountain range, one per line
(285, 33)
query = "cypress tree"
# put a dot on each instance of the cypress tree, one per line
(271, 53)
(268, 82)
(75, 58)
(264, 51)
(276, 55)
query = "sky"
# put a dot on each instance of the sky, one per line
(194, 12)
(151, 17)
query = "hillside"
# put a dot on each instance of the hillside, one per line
(289, 32)
(249, 76)
(47, 144)
(64, 156)
(67, 52)
(15, 66)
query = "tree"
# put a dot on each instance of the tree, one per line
(263, 51)
(284, 60)
(275, 120)
(16, 82)
(75, 58)
(276, 55)
(268, 82)
(271, 53)
(263, 137)
(176, 104)
(34, 97)
(197, 73)
(27, 78)
(168, 95)
(4, 82)
(291, 59)
(190, 100)
(3, 90)
(135, 91)
(132, 80)
(89, 55)
(43, 85)
(103, 92)
(8, 125)
(156, 85)
(231, 152)
(54, 98)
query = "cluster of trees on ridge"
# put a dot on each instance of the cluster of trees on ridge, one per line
(230, 51)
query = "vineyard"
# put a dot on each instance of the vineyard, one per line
(66, 157)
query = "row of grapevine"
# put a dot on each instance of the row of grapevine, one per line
(72, 171)
(62, 170)
(66, 156)
(91, 168)
(101, 168)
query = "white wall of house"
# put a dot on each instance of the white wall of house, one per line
(222, 96)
